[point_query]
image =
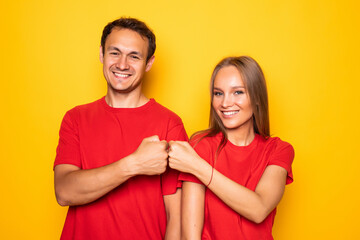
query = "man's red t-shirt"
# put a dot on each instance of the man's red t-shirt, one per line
(94, 135)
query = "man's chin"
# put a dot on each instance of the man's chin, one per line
(123, 89)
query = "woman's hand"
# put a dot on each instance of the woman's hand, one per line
(183, 157)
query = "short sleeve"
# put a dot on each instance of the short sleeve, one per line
(67, 151)
(283, 156)
(177, 133)
(170, 178)
(203, 149)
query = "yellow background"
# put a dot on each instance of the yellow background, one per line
(309, 51)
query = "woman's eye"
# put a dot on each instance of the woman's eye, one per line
(217, 93)
(239, 92)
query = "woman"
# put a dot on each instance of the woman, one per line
(236, 176)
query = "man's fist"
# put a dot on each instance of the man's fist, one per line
(151, 156)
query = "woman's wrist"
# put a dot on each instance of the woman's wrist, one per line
(203, 172)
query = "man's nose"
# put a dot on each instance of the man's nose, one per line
(122, 63)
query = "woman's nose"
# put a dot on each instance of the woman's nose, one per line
(227, 101)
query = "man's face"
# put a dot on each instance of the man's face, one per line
(124, 60)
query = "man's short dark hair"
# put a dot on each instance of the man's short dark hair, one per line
(134, 25)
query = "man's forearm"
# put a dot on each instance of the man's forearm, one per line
(75, 186)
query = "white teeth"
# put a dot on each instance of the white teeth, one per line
(230, 113)
(121, 75)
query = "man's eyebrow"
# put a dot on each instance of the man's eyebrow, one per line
(111, 48)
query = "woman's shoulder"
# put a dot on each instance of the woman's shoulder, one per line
(205, 137)
(281, 153)
(278, 147)
(276, 142)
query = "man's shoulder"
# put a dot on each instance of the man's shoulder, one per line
(86, 106)
(164, 111)
(84, 110)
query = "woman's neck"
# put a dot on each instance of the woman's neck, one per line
(241, 136)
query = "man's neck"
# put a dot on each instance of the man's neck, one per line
(125, 100)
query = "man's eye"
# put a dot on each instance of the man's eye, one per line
(114, 53)
(134, 57)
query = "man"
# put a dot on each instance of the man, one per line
(111, 162)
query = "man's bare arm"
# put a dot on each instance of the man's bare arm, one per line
(75, 186)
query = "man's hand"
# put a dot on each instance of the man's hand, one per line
(151, 156)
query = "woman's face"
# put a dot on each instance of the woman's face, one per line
(231, 101)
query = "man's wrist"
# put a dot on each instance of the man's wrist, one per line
(127, 167)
